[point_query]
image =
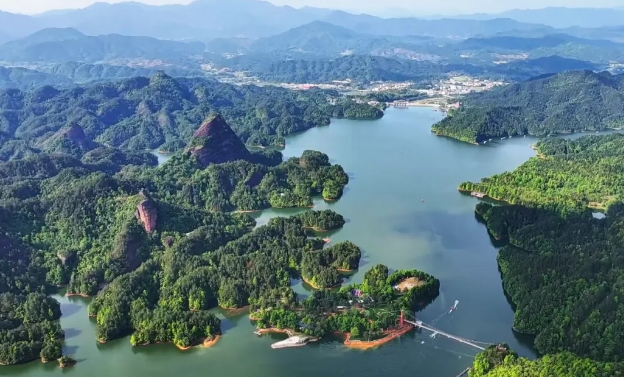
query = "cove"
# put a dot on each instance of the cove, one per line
(393, 164)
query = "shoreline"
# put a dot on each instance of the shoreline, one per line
(316, 287)
(77, 295)
(487, 196)
(364, 345)
(318, 230)
(275, 330)
(204, 343)
(235, 311)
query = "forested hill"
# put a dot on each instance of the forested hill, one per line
(159, 246)
(146, 113)
(562, 267)
(502, 362)
(568, 175)
(565, 102)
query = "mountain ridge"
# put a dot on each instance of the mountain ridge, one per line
(209, 19)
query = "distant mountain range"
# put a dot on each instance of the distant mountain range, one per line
(559, 17)
(321, 40)
(595, 50)
(58, 45)
(209, 19)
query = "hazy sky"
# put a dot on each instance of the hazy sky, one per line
(416, 6)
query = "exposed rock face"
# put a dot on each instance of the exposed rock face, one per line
(76, 134)
(215, 143)
(146, 212)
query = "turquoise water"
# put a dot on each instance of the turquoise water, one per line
(393, 163)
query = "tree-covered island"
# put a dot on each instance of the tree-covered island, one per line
(159, 247)
(368, 312)
(567, 102)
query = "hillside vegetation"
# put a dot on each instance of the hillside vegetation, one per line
(561, 266)
(158, 247)
(501, 362)
(145, 113)
(568, 175)
(566, 102)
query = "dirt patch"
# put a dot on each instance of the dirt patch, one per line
(389, 336)
(409, 283)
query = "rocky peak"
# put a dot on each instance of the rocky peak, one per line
(146, 212)
(76, 134)
(215, 143)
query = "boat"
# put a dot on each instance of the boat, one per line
(293, 341)
(257, 332)
(477, 194)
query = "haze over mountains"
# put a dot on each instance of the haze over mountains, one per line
(281, 43)
(208, 19)
(559, 17)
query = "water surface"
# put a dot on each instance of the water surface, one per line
(394, 164)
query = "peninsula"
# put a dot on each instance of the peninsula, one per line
(368, 314)
(561, 265)
(566, 102)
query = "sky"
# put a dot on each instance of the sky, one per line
(450, 7)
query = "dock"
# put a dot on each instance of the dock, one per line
(293, 341)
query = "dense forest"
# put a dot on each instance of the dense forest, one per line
(566, 102)
(563, 275)
(365, 315)
(499, 361)
(159, 246)
(146, 113)
(562, 266)
(566, 175)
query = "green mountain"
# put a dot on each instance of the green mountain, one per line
(80, 72)
(566, 102)
(320, 38)
(62, 45)
(144, 113)
(563, 45)
(24, 79)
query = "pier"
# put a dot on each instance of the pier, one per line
(400, 104)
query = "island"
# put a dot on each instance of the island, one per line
(566, 102)
(157, 247)
(367, 314)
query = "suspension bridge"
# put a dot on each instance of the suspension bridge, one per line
(418, 323)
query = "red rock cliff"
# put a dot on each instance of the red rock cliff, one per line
(146, 212)
(215, 143)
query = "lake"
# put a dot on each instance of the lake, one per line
(394, 163)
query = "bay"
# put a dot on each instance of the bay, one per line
(403, 209)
